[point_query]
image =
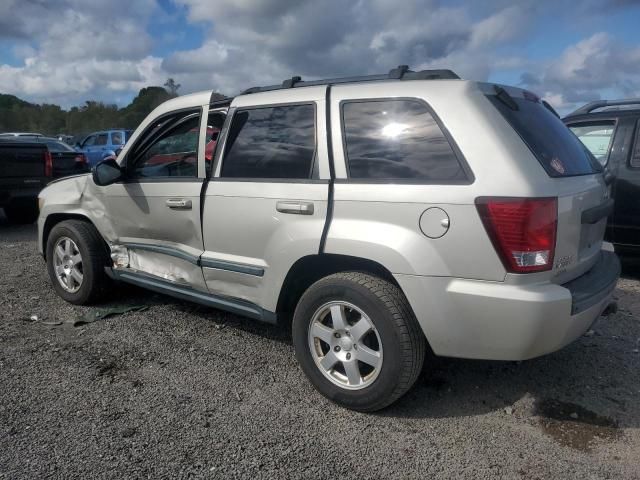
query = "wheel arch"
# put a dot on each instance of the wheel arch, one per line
(311, 268)
(55, 218)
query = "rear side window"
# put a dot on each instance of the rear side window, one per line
(559, 152)
(597, 137)
(397, 140)
(271, 142)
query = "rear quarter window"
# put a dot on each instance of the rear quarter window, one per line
(557, 149)
(397, 140)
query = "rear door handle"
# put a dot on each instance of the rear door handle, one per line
(296, 208)
(179, 204)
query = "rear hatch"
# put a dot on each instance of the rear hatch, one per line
(575, 175)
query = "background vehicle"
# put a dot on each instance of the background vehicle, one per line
(25, 168)
(610, 129)
(20, 134)
(366, 210)
(97, 145)
(65, 159)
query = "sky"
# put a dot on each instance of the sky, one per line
(69, 51)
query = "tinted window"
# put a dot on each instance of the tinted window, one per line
(169, 149)
(116, 138)
(273, 142)
(559, 152)
(596, 137)
(101, 139)
(397, 139)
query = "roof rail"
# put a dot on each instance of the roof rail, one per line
(401, 72)
(591, 106)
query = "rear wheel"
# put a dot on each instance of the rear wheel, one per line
(76, 259)
(357, 340)
(22, 212)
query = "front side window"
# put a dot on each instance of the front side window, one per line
(169, 149)
(271, 142)
(597, 137)
(397, 140)
(89, 141)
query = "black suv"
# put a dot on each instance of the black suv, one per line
(610, 129)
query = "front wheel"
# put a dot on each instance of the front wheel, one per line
(76, 259)
(357, 340)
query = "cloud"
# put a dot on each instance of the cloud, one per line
(586, 68)
(73, 49)
(264, 41)
(69, 51)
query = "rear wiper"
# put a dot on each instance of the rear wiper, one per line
(505, 98)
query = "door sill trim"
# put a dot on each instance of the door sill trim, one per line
(237, 306)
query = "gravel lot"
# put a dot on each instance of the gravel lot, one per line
(179, 391)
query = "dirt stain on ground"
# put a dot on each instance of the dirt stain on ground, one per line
(573, 425)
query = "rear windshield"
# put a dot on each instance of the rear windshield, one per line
(557, 149)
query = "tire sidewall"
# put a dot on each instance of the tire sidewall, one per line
(344, 290)
(88, 275)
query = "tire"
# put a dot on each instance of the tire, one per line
(94, 257)
(22, 212)
(394, 342)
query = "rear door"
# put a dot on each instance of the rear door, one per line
(266, 205)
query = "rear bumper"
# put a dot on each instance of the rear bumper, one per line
(499, 321)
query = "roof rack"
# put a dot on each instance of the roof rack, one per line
(591, 106)
(401, 72)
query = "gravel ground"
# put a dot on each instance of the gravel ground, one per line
(180, 391)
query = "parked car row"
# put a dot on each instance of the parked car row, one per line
(389, 217)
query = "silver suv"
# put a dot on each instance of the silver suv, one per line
(391, 217)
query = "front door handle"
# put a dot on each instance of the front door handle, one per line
(179, 204)
(297, 208)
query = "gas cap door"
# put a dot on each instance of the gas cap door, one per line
(434, 222)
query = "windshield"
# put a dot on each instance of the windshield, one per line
(557, 149)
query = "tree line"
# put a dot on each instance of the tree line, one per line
(17, 115)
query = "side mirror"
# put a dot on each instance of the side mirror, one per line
(106, 172)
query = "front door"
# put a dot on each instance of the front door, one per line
(155, 211)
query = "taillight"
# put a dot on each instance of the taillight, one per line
(48, 164)
(523, 231)
(80, 158)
